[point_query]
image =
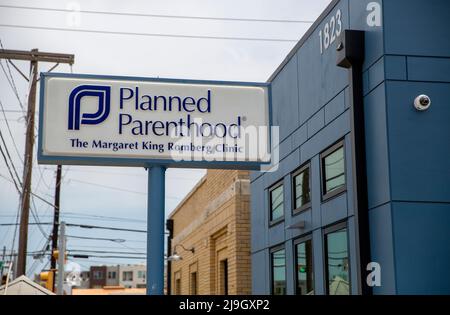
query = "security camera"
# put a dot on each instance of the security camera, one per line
(422, 102)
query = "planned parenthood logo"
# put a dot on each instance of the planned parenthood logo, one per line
(76, 117)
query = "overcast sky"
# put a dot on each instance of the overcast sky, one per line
(131, 45)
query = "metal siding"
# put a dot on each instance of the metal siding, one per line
(377, 148)
(417, 27)
(395, 67)
(419, 142)
(260, 273)
(285, 99)
(334, 209)
(422, 251)
(373, 35)
(429, 69)
(382, 247)
(318, 258)
(320, 80)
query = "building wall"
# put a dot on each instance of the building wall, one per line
(85, 283)
(112, 275)
(138, 276)
(100, 280)
(214, 219)
(407, 151)
(414, 203)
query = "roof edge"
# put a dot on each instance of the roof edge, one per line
(189, 195)
(303, 39)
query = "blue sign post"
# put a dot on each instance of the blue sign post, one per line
(155, 229)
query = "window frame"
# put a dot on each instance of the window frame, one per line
(333, 148)
(191, 287)
(306, 206)
(276, 185)
(126, 278)
(271, 251)
(299, 240)
(328, 230)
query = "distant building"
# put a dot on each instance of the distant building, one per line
(132, 276)
(211, 232)
(112, 275)
(97, 277)
(109, 290)
(85, 282)
(24, 286)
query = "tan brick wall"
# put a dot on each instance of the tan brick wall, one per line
(214, 219)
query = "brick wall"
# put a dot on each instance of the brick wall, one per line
(214, 219)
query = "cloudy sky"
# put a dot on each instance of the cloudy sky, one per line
(232, 40)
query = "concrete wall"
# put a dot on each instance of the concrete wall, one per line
(138, 276)
(112, 275)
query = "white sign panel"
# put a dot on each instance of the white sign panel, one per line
(100, 120)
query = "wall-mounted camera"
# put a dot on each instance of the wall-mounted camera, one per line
(422, 102)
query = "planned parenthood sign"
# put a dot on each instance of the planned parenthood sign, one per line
(104, 120)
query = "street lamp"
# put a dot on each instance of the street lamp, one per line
(176, 256)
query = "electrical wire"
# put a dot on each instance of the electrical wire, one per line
(187, 17)
(46, 28)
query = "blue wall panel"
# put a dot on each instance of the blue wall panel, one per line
(382, 247)
(429, 69)
(377, 147)
(422, 251)
(260, 273)
(285, 99)
(395, 67)
(419, 142)
(319, 78)
(359, 12)
(417, 27)
(407, 151)
(259, 215)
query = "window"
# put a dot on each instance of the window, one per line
(141, 274)
(127, 276)
(304, 267)
(177, 277)
(278, 263)
(337, 261)
(333, 171)
(111, 275)
(193, 283)
(224, 277)
(301, 189)
(276, 202)
(97, 274)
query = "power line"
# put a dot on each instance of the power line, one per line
(85, 226)
(10, 133)
(103, 252)
(46, 28)
(10, 80)
(117, 188)
(186, 17)
(32, 193)
(82, 216)
(30, 223)
(101, 256)
(116, 240)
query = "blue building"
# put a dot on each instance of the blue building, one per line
(315, 223)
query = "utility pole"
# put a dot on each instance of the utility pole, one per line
(3, 263)
(61, 258)
(34, 56)
(55, 221)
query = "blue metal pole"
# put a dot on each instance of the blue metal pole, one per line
(155, 230)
